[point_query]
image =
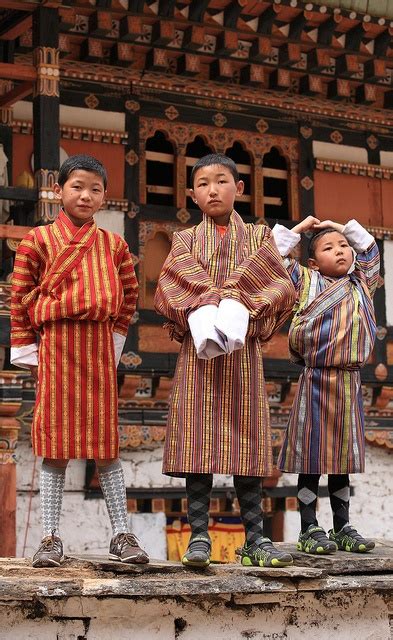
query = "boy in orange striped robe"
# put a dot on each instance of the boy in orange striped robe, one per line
(224, 291)
(332, 335)
(74, 286)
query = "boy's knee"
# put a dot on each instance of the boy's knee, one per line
(102, 464)
(57, 463)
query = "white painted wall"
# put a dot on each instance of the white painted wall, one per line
(85, 525)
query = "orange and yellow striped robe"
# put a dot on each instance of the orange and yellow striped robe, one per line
(219, 416)
(74, 287)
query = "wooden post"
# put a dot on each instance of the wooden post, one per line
(10, 403)
(46, 110)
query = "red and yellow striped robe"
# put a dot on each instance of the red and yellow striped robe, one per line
(75, 287)
(219, 416)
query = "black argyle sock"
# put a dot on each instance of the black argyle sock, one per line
(307, 495)
(249, 494)
(338, 486)
(198, 488)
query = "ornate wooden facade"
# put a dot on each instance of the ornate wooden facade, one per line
(300, 94)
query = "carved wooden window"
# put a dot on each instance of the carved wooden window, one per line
(275, 185)
(194, 151)
(156, 251)
(159, 170)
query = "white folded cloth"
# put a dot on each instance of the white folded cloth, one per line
(208, 342)
(232, 323)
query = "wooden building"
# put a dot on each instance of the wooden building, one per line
(299, 94)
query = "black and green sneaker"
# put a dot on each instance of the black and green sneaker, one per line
(348, 539)
(198, 552)
(314, 540)
(263, 553)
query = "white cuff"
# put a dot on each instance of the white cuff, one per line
(357, 236)
(118, 343)
(25, 357)
(285, 239)
(208, 342)
(232, 323)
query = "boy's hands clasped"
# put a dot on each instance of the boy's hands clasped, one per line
(219, 330)
(314, 224)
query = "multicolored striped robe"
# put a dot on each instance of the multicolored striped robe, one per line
(75, 287)
(332, 335)
(219, 416)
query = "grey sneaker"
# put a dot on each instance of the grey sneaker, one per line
(50, 552)
(314, 540)
(125, 547)
(198, 552)
(348, 539)
(263, 553)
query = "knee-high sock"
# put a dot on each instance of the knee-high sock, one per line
(198, 489)
(51, 497)
(307, 495)
(338, 486)
(249, 494)
(114, 490)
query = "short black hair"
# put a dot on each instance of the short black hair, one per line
(83, 163)
(314, 240)
(212, 159)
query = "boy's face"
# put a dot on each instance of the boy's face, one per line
(333, 255)
(215, 191)
(82, 195)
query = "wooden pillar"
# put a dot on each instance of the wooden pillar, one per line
(10, 402)
(180, 178)
(306, 170)
(46, 109)
(257, 203)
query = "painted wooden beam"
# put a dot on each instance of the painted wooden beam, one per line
(17, 93)
(17, 71)
(12, 29)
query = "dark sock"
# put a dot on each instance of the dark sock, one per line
(338, 486)
(198, 488)
(249, 495)
(307, 495)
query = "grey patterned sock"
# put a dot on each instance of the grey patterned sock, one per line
(114, 490)
(198, 489)
(51, 497)
(249, 495)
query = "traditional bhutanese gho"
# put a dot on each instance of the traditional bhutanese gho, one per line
(219, 416)
(75, 287)
(332, 335)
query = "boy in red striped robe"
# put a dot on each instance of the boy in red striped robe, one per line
(332, 335)
(74, 286)
(224, 290)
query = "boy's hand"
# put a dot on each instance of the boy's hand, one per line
(34, 372)
(327, 224)
(306, 225)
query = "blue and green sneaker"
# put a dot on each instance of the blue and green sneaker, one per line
(198, 552)
(263, 553)
(348, 539)
(314, 540)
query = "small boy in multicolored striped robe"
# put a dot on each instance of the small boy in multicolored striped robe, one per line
(332, 335)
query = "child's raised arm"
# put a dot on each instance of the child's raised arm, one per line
(287, 239)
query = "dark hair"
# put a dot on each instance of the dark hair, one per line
(84, 163)
(314, 240)
(215, 158)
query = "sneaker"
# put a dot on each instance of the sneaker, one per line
(264, 554)
(348, 539)
(198, 552)
(125, 547)
(50, 552)
(314, 540)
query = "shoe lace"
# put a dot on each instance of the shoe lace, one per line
(127, 538)
(51, 543)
